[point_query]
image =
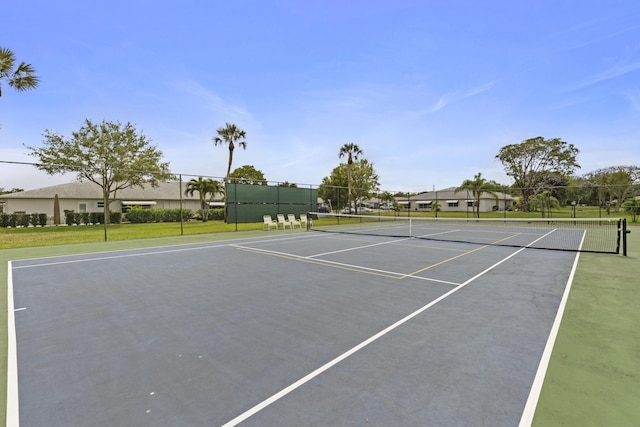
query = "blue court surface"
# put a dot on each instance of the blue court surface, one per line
(290, 329)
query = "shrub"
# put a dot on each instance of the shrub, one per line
(43, 219)
(86, 218)
(96, 217)
(4, 220)
(24, 220)
(115, 217)
(213, 214)
(69, 217)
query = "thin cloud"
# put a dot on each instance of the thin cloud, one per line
(454, 97)
(634, 100)
(609, 74)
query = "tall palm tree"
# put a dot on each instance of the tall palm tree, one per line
(20, 78)
(204, 187)
(352, 151)
(477, 186)
(230, 134)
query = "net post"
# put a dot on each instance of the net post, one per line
(624, 236)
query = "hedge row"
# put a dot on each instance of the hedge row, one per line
(137, 214)
(22, 220)
(86, 218)
(212, 214)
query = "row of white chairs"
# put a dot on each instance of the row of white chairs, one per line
(289, 221)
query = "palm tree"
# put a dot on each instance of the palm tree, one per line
(230, 134)
(352, 151)
(435, 207)
(20, 78)
(477, 186)
(204, 187)
(545, 201)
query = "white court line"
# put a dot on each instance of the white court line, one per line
(138, 254)
(359, 247)
(260, 406)
(13, 406)
(536, 387)
(319, 261)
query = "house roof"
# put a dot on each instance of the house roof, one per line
(450, 193)
(90, 190)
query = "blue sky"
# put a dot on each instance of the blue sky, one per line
(429, 90)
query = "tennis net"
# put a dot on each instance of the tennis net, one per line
(567, 234)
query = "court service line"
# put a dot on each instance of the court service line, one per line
(358, 247)
(457, 256)
(326, 263)
(265, 403)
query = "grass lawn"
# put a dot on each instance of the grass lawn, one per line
(63, 235)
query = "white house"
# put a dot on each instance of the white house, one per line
(449, 200)
(87, 197)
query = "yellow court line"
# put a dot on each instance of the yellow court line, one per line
(456, 257)
(365, 270)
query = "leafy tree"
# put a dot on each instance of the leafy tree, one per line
(20, 78)
(477, 186)
(365, 182)
(632, 206)
(230, 135)
(248, 174)
(204, 187)
(555, 183)
(13, 190)
(109, 154)
(352, 151)
(288, 184)
(526, 162)
(614, 184)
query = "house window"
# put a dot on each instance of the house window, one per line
(452, 203)
(82, 207)
(424, 205)
(470, 203)
(100, 204)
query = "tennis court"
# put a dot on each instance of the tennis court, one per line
(294, 328)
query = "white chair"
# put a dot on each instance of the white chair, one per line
(268, 222)
(294, 221)
(283, 221)
(303, 220)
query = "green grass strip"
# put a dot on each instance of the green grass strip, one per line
(594, 371)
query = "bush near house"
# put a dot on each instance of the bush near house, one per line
(86, 218)
(22, 220)
(212, 214)
(138, 215)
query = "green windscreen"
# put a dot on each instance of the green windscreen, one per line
(248, 202)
